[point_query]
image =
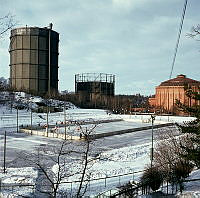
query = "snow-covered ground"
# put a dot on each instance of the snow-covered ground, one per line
(20, 176)
(192, 189)
(116, 162)
(8, 117)
(122, 154)
(126, 161)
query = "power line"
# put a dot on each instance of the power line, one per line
(179, 35)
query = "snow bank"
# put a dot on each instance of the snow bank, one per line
(192, 188)
(19, 175)
(14, 177)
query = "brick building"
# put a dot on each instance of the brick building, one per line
(168, 91)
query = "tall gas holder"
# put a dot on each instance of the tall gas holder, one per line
(34, 59)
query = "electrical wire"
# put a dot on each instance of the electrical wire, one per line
(179, 35)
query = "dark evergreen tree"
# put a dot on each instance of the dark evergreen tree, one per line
(192, 128)
(152, 177)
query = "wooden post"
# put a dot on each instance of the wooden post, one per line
(152, 122)
(31, 120)
(17, 120)
(47, 120)
(65, 121)
(4, 154)
(167, 187)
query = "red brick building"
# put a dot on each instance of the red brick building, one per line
(168, 91)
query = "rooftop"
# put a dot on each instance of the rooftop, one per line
(180, 80)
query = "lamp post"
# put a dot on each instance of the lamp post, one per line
(17, 120)
(4, 154)
(152, 122)
(47, 124)
(65, 120)
(31, 116)
(31, 119)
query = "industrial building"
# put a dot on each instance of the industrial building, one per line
(171, 90)
(34, 59)
(94, 87)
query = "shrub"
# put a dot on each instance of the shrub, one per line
(152, 177)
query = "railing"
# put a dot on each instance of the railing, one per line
(105, 188)
(103, 184)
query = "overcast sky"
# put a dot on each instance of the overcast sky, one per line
(132, 39)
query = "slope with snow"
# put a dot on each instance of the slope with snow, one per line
(126, 154)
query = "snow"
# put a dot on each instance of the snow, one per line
(114, 162)
(118, 162)
(191, 186)
(19, 177)
(191, 189)
(124, 161)
(121, 161)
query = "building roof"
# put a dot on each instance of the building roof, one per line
(180, 80)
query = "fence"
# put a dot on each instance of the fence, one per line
(166, 190)
(101, 184)
(108, 185)
(7, 190)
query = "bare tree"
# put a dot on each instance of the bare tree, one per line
(55, 162)
(195, 31)
(3, 84)
(169, 149)
(7, 22)
(87, 132)
(168, 156)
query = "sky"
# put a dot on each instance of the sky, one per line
(132, 39)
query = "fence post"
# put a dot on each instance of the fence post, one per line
(89, 185)
(4, 154)
(71, 189)
(119, 180)
(167, 187)
(105, 181)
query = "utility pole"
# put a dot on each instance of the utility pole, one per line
(65, 120)
(4, 154)
(31, 120)
(152, 122)
(47, 127)
(30, 106)
(17, 120)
